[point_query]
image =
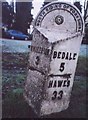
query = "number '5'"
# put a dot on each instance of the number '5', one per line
(62, 67)
(37, 60)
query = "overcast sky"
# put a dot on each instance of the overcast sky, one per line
(37, 4)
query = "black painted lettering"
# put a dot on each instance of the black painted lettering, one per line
(57, 95)
(54, 95)
(59, 53)
(60, 83)
(50, 84)
(39, 17)
(70, 57)
(50, 7)
(63, 55)
(66, 6)
(79, 23)
(47, 9)
(68, 83)
(60, 95)
(62, 67)
(64, 84)
(37, 24)
(67, 56)
(79, 27)
(55, 54)
(55, 84)
(56, 6)
(75, 14)
(43, 13)
(38, 21)
(74, 56)
(37, 60)
(73, 11)
(59, 5)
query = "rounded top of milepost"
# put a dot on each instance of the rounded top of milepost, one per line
(63, 17)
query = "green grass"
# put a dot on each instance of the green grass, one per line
(13, 81)
(82, 66)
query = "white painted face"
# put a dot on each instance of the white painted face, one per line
(67, 24)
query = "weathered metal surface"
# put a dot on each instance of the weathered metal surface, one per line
(34, 89)
(39, 57)
(53, 58)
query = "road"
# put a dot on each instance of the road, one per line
(13, 46)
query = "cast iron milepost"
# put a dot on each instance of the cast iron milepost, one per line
(57, 36)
